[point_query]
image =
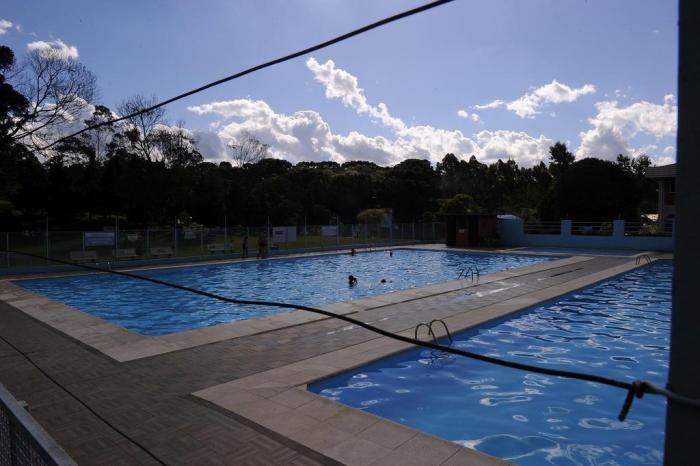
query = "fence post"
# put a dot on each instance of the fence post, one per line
(619, 229)
(225, 230)
(391, 230)
(7, 247)
(566, 228)
(47, 239)
(201, 239)
(148, 242)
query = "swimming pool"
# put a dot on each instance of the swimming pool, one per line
(619, 328)
(151, 309)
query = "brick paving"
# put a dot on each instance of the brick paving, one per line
(149, 399)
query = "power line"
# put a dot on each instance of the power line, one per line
(276, 61)
(636, 389)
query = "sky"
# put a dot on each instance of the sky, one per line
(491, 78)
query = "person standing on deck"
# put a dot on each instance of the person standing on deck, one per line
(262, 245)
(244, 247)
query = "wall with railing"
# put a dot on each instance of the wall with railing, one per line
(616, 234)
(170, 244)
(22, 440)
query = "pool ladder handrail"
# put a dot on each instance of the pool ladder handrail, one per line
(431, 332)
(639, 258)
(470, 269)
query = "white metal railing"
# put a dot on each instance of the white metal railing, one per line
(592, 228)
(542, 228)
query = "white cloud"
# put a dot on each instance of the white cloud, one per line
(18, 27)
(305, 135)
(4, 26)
(495, 104)
(54, 49)
(520, 146)
(341, 84)
(528, 105)
(614, 127)
(468, 116)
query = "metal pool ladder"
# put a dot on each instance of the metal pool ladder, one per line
(431, 332)
(639, 258)
(470, 269)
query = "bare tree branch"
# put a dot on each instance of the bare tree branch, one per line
(142, 133)
(247, 149)
(58, 90)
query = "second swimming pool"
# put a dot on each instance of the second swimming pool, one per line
(619, 329)
(152, 309)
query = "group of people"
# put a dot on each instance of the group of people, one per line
(352, 280)
(263, 253)
(263, 250)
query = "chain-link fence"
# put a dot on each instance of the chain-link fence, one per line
(112, 244)
(22, 441)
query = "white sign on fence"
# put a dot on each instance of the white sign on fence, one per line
(98, 238)
(284, 234)
(329, 230)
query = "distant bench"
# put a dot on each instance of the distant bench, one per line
(218, 247)
(163, 251)
(83, 256)
(124, 253)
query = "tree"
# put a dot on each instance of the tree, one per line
(58, 90)
(560, 159)
(371, 216)
(410, 188)
(12, 103)
(141, 130)
(97, 137)
(595, 190)
(460, 204)
(177, 147)
(246, 149)
(635, 165)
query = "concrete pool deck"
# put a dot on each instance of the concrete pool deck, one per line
(249, 404)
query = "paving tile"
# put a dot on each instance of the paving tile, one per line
(387, 434)
(356, 451)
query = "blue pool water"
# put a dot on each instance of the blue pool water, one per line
(152, 309)
(619, 328)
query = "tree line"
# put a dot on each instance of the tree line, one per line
(146, 172)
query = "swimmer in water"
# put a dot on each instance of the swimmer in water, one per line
(352, 281)
(383, 280)
(391, 253)
(352, 252)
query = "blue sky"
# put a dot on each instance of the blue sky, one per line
(615, 64)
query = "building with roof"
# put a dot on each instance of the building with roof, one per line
(665, 176)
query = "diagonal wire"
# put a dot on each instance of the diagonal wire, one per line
(276, 61)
